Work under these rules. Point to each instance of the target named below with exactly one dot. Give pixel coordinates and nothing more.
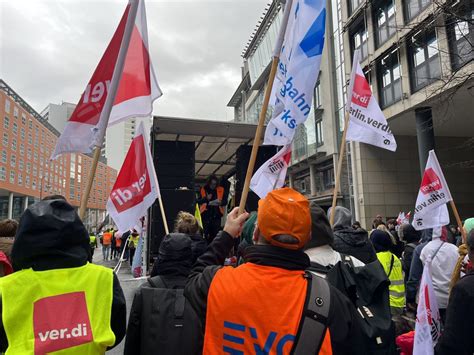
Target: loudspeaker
(174, 162)
(174, 201)
(242, 161)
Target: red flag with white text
(137, 89)
(272, 174)
(136, 187)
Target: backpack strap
(347, 260)
(157, 282)
(391, 266)
(179, 304)
(436, 252)
(314, 322)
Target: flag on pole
(137, 261)
(197, 215)
(367, 123)
(428, 320)
(298, 70)
(271, 175)
(431, 209)
(137, 89)
(136, 187)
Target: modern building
(316, 142)
(26, 172)
(418, 57)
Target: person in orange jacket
(263, 306)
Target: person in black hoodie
(411, 237)
(51, 237)
(349, 241)
(149, 330)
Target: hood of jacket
(353, 237)
(342, 218)
(50, 236)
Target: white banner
(428, 320)
(271, 175)
(298, 70)
(367, 124)
(431, 210)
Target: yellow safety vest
(397, 284)
(92, 239)
(61, 311)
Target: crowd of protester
(298, 285)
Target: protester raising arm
(211, 261)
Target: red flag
(137, 89)
(136, 187)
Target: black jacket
(51, 236)
(344, 334)
(354, 242)
(198, 246)
(457, 337)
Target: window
(21, 164)
(384, 21)
(15, 111)
(7, 105)
(33, 185)
(13, 160)
(41, 161)
(3, 173)
(20, 179)
(389, 79)
(461, 36)
(424, 59)
(27, 181)
(30, 138)
(15, 128)
(353, 5)
(317, 95)
(319, 130)
(35, 170)
(14, 144)
(6, 123)
(30, 124)
(414, 7)
(23, 118)
(359, 40)
(5, 139)
(22, 133)
(35, 155)
(12, 177)
(28, 168)
(4, 156)
(28, 154)
(22, 149)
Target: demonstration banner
(428, 320)
(431, 209)
(271, 175)
(367, 123)
(137, 89)
(136, 187)
(298, 70)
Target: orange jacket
(220, 196)
(107, 238)
(255, 309)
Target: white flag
(136, 91)
(367, 123)
(428, 321)
(431, 209)
(271, 175)
(136, 187)
(298, 70)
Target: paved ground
(128, 285)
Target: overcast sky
(50, 48)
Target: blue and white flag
(298, 70)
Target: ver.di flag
(298, 70)
(367, 123)
(137, 89)
(136, 187)
(428, 320)
(431, 209)
(271, 175)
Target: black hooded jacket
(51, 236)
(350, 241)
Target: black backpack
(367, 288)
(171, 324)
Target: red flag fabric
(136, 187)
(137, 89)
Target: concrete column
(312, 177)
(25, 203)
(10, 205)
(424, 134)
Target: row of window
(459, 28)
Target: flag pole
(263, 112)
(458, 220)
(109, 101)
(163, 215)
(339, 167)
